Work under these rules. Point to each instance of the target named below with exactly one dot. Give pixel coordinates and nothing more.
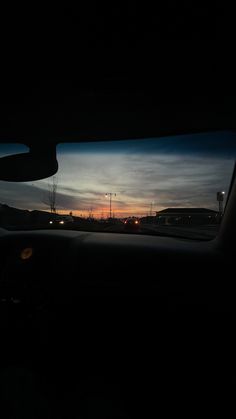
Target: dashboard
(123, 307)
(62, 266)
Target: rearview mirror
(39, 163)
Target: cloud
(213, 144)
(21, 195)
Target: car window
(175, 186)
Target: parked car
(132, 224)
(62, 220)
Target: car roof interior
(106, 324)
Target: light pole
(110, 194)
(220, 199)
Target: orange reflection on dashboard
(26, 253)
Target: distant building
(180, 216)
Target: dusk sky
(183, 171)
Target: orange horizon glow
(105, 213)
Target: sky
(144, 176)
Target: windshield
(174, 186)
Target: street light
(110, 194)
(220, 198)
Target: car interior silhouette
(103, 323)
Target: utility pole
(151, 208)
(110, 194)
(220, 199)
